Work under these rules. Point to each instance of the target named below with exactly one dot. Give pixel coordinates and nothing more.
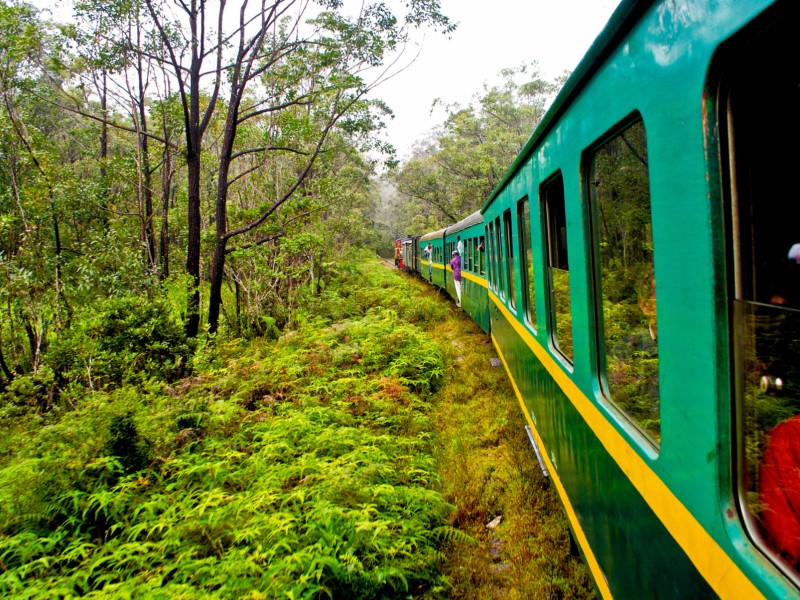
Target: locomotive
(637, 270)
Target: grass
(489, 471)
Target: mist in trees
(450, 174)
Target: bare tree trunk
(147, 191)
(167, 197)
(104, 127)
(192, 325)
(194, 141)
(6, 371)
(221, 215)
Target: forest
(166, 175)
(204, 391)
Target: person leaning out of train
(429, 253)
(460, 247)
(455, 264)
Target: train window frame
(527, 279)
(482, 254)
(640, 343)
(490, 262)
(552, 199)
(498, 255)
(762, 294)
(508, 255)
(471, 250)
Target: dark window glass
(509, 258)
(498, 258)
(552, 194)
(526, 253)
(619, 187)
(472, 262)
(761, 88)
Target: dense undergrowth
(358, 456)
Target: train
(637, 271)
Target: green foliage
(304, 469)
(451, 174)
(125, 339)
(621, 208)
(359, 287)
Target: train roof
(475, 218)
(434, 235)
(624, 18)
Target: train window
(508, 254)
(470, 253)
(492, 269)
(526, 253)
(552, 194)
(619, 188)
(763, 257)
(481, 255)
(498, 259)
(472, 263)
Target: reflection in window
(763, 230)
(526, 252)
(620, 193)
(509, 258)
(552, 194)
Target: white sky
(491, 35)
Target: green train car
(468, 236)
(643, 293)
(431, 253)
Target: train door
(759, 123)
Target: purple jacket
(455, 264)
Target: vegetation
(148, 153)
(207, 387)
(621, 209)
(451, 174)
(353, 457)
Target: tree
(451, 175)
(268, 63)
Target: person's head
(455, 252)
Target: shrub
(123, 340)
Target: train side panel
(652, 503)
(474, 296)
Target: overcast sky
(491, 35)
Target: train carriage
(408, 252)
(643, 286)
(468, 235)
(432, 260)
